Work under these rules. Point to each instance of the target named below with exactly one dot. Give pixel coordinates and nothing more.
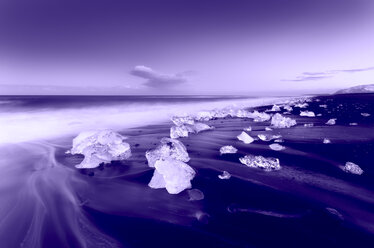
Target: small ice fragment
(302, 105)
(169, 148)
(248, 129)
(365, 114)
(225, 175)
(267, 164)
(227, 149)
(278, 140)
(335, 212)
(195, 194)
(259, 117)
(319, 114)
(100, 147)
(268, 129)
(307, 113)
(275, 108)
(199, 127)
(323, 106)
(308, 125)
(277, 147)
(177, 175)
(181, 120)
(268, 137)
(353, 124)
(279, 121)
(245, 138)
(331, 122)
(326, 141)
(179, 131)
(288, 108)
(352, 168)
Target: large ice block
(267, 164)
(279, 121)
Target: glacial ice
(184, 129)
(308, 125)
(181, 120)
(279, 121)
(195, 195)
(323, 106)
(279, 140)
(245, 138)
(99, 147)
(353, 124)
(268, 129)
(169, 148)
(326, 141)
(307, 113)
(248, 129)
(288, 108)
(224, 175)
(365, 114)
(176, 175)
(352, 168)
(301, 105)
(277, 147)
(331, 122)
(267, 164)
(259, 117)
(268, 137)
(275, 108)
(228, 149)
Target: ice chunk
(302, 105)
(326, 141)
(365, 114)
(279, 121)
(227, 149)
(177, 175)
(307, 113)
(319, 114)
(181, 120)
(268, 129)
(169, 148)
(199, 127)
(308, 125)
(195, 194)
(248, 129)
(278, 140)
(353, 124)
(331, 122)
(205, 116)
(268, 137)
(179, 131)
(267, 164)
(277, 147)
(323, 106)
(245, 138)
(352, 168)
(275, 108)
(100, 147)
(225, 175)
(288, 108)
(259, 117)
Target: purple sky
(185, 46)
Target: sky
(252, 47)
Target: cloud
(155, 79)
(308, 76)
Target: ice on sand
(365, 114)
(184, 129)
(224, 175)
(268, 164)
(98, 147)
(169, 148)
(277, 147)
(195, 195)
(331, 122)
(227, 149)
(172, 174)
(268, 137)
(279, 121)
(326, 141)
(352, 168)
(245, 138)
(307, 113)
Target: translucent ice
(307, 113)
(308, 125)
(279, 121)
(331, 122)
(227, 149)
(326, 141)
(288, 108)
(353, 124)
(181, 120)
(323, 106)
(275, 108)
(169, 148)
(248, 129)
(225, 175)
(302, 105)
(175, 175)
(277, 147)
(352, 168)
(267, 164)
(365, 114)
(259, 116)
(199, 127)
(268, 137)
(184, 130)
(245, 138)
(100, 147)
(268, 129)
